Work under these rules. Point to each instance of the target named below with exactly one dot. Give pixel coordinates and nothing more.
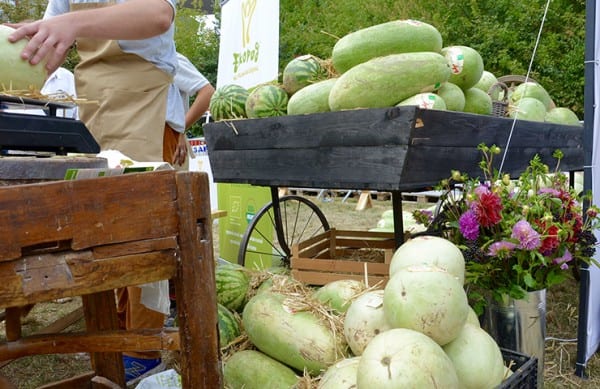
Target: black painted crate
(388, 149)
(525, 371)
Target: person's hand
(49, 41)
(180, 154)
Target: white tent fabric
(594, 287)
(589, 328)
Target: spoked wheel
(512, 80)
(263, 243)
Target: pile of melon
(401, 62)
(417, 331)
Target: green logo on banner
(242, 202)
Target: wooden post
(364, 201)
(200, 359)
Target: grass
(562, 319)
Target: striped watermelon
(302, 71)
(267, 100)
(233, 284)
(229, 326)
(228, 102)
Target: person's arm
(197, 109)
(51, 38)
(199, 106)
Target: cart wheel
(512, 80)
(300, 220)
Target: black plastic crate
(525, 370)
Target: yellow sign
(248, 7)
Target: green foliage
(197, 41)
(503, 31)
(21, 10)
(200, 44)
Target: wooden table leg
(100, 310)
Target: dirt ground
(562, 316)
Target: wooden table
(88, 237)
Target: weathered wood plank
(82, 212)
(100, 312)
(99, 342)
(322, 278)
(80, 381)
(196, 306)
(50, 276)
(340, 266)
(23, 169)
(395, 149)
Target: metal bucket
(519, 325)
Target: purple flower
(551, 191)
(529, 239)
(562, 261)
(481, 189)
(498, 247)
(468, 225)
(427, 214)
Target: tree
(503, 31)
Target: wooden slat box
(387, 149)
(342, 254)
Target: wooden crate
(342, 254)
(388, 149)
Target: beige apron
(131, 96)
(130, 117)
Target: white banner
(248, 56)
(593, 332)
(249, 42)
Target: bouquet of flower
(517, 235)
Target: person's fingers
(22, 30)
(179, 156)
(32, 45)
(44, 49)
(56, 57)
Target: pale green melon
(338, 294)
(252, 369)
(313, 98)
(426, 299)
(16, 73)
(562, 115)
(404, 358)
(340, 375)
(300, 339)
(426, 100)
(429, 250)
(477, 358)
(472, 318)
(453, 96)
(385, 81)
(394, 37)
(486, 81)
(466, 65)
(531, 89)
(528, 108)
(477, 101)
